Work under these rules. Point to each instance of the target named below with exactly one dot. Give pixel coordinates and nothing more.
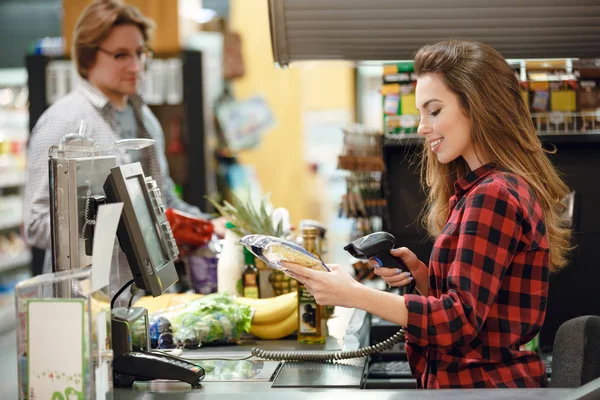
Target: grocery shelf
(13, 77)
(411, 139)
(12, 180)
(21, 259)
(10, 223)
(401, 139)
(553, 127)
(562, 137)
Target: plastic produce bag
(274, 250)
(214, 318)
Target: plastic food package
(273, 250)
(213, 318)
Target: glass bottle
(250, 278)
(311, 316)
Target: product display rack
(15, 256)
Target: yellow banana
(154, 304)
(266, 301)
(271, 310)
(166, 300)
(277, 330)
(184, 298)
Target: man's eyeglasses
(125, 58)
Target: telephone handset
(133, 359)
(376, 246)
(140, 366)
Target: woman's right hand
(397, 278)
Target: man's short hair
(94, 26)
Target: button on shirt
(488, 289)
(87, 103)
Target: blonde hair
(502, 130)
(94, 26)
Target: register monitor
(144, 232)
(146, 238)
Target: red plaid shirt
(488, 289)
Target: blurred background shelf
(21, 259)
(12, 180)
(411, 139)
(10, 223)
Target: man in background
(110, 49)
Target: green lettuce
(215, 318)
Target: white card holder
(63, 346)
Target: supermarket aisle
(8, 365)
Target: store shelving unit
(12, 180)
(9, 262)
(15, 256)
(10, 223)
(567, 129)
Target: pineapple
(282, 283)
(249, 220)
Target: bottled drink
(250, 278)
(311, 316)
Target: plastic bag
(214, 318)
(273, 250)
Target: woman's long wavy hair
(502, 130)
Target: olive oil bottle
(312, 328)
(250, 279)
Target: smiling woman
(484, 108)
(493, 210)
(444, 124)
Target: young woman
(494, 209)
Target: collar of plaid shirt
(420, 355)
(464, 184)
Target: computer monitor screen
(144, 232)
(147, 225)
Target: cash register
(146, 239)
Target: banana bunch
(275, 317)
(165, 301)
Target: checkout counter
(226, 375)
(256, 379)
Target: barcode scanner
(377, 246)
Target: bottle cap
(309, 231)
(248, 257)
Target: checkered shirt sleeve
(490, 229)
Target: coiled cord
(328, 357)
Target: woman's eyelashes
(432, 113)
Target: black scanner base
(142, 366)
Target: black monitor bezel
(130, 234)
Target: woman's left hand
(334, 288)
